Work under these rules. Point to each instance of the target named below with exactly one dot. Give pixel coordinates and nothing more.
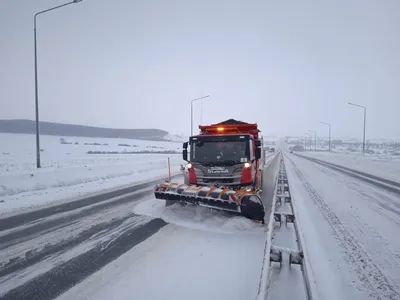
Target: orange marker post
(169, 169)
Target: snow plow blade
(240, 202)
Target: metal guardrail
(276, 254)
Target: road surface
(82, 250)
(350, 226)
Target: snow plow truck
(224, 170)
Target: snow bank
(383, 166)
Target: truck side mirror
(184, 152)
(258, 153)
(258, 149)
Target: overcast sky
(135, 64)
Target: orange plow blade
(239, 202)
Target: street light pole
(329, 134)
(365, 117)
(191, 112)
(38, 164)
(315, 139)
(36, 101)
(310, 136)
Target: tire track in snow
(32, 216)
(384, 210)
(387, 255)
(49, 285)
(31, 232)
(77, 237)
(33, 256)
(368, 272)
(379, 198)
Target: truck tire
(169, 202)
(172, 202)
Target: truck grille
(220, 181)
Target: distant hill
(59, 129)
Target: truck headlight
(247, 165)
(189, 166)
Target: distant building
(298, 148)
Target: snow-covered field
(350, 229)
(386, 166)
(68, 171)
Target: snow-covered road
(126, 244)
(118, 246)
(350, 230)
(183, 263)
(200, 254)
(41, 258)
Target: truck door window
(251, 149)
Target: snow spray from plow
(284, 257)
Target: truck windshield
(220, 152)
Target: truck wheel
(169, 202)
(172, 202)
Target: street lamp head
(356, 105)
(77, 1)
